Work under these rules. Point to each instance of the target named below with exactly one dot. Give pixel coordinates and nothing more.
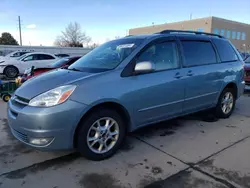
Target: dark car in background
(62, 63)
(247, 73)
(62, 55)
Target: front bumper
(58, 123)
(2, 68)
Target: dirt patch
(206, 163)
(95, 180)
(134, 165)
(53, 163)
(167, 133)
(206, 116)
(183, 179)
(156, 170)
(165, 127)
(231, 126)
(233, 176)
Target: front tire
(226, 103)
(101, 134)
(11, 72)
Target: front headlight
(53, 97)
(1, 61)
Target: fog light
(40, 141)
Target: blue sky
(43, 20)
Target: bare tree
(73, 36)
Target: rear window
(198, 53)
(225, 50)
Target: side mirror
(144, 67)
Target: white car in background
(16, 54)
(11, 68)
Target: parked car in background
(123, 85)
(11, 68)
(62, 55)
(16, 54)
(32, 72)
(247, 73)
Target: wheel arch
(232, 86)
(108, 104)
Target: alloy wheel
(227, 102)
(103, 135)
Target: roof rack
(188, 32)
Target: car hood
(50, 80)
(9, 61)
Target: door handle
(178, 75)
(190, 73)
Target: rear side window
(225, 50)
(198, 53)
(45, 57)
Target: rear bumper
(241, 88)
(56, 123)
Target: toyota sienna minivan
(123, 85)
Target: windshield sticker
(125, 46)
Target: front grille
(20, 100)
(247, 83)
(20, 136)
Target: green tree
(7, 39)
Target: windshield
(107, 56)
(19, 58)
(60, 63)
(247, 60)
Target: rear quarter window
(225, 50)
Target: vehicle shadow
(169, 127)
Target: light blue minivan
(123, 85)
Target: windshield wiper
(74, 69)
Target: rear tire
(11, 72)
(226, 103)
(6, 97)
(96, 130)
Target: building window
(243, 36)
(233, 34)
(228, 34)
(238, 35)
(222, 32)
(200, 29)
(216, 31)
